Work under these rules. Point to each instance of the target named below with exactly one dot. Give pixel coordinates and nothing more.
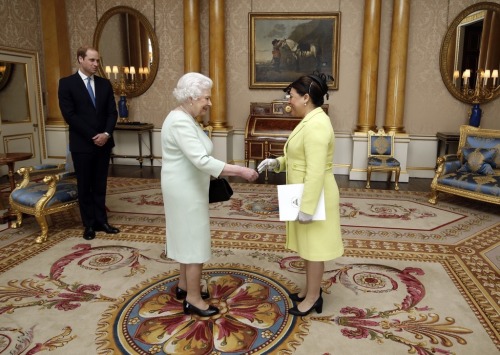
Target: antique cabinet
(267, 129)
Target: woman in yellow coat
(308, 160)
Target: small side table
(10, 159)
(139, 128)
(446, 138)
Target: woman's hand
(249, 174)
(269, 164)
(304, 218)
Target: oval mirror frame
(5, 72)
(101, 24)
(445, 62)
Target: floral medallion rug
(415, 279)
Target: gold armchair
(56, 192)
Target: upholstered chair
(53, 191)
(381, 156)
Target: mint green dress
(185, 178)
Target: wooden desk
(267, 129)
(10, 159)
(139, 129)
(446, 138)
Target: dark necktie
(89, 89)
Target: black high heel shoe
(317, 306)
(295, 296)
(188, 308)
(181, 294)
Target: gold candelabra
(483, 90)
(125, 78)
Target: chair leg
(42, 222)
(368, 177)
(19, 219)
(434, 196)
(396, 178)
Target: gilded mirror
(472, 43)
(5, 73)
(129, 50)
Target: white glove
(304, 217)
(268, 163)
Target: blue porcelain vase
(122, 107)
(475, 116)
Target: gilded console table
(139, 128)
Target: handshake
(269, 164)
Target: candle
(486, 76)
(146, 71)
(115, 70)
(108, 71)
(132, 72)
(126, 71)
(466, 76)
(456, 75)
(141, 71)
(494, 75)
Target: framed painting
(285, 46)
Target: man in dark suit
(88, 106)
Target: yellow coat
(308, 159)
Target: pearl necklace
(186, 112)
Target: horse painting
(294, 53)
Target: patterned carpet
(415, 278)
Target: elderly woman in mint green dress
(187, 165)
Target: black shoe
(190, 309)
(180, 294)
(317, 306)
(89, 233)
(105, 227)
(295, 296)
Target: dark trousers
(91, 171)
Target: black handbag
(219, 190)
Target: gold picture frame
(284, 47)
(280, 107)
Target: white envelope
(289, 197)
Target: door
(21, 121)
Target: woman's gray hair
(192, 85)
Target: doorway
(21, 114)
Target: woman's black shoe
(190, 309)
(295, 296)
(317, 306)
(180, 294)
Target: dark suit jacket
(85, 120)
